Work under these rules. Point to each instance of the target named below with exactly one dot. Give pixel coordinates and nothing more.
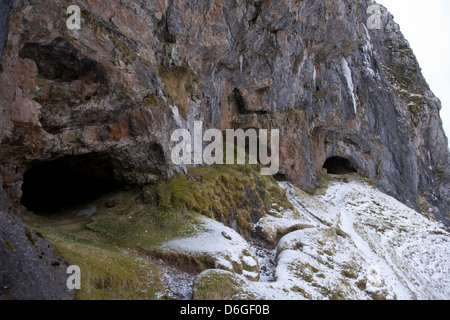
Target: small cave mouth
(59, 60)
(339, 165)
(53, 186)
(280, 177)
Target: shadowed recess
(49, 187)
(338, 165)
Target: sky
(426, 26)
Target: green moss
(325, 179)
(337, 294)
(225, 193)
(30, 236)
(319, 94)
(304, 271)
(414, 111)
(178, 86)
(302, 292)
(128, 55)
(404, 75)
(9, 245)
(134, 224)
(96, 24)
(350, 270)
(215, 285)
(107, 273)
(153, 100)
(441, 173)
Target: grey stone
(29, 269)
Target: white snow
(176, 115)
(314, 75)
(374, 278)
(348, 76)
(178, 284)
(301, 64)
(411, 252)
(250, 261)
(222, 244)
(368, 52)
(266, 260)
(353, 242)
(241, 63)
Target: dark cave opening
(52, 186)
(339, 165)
(59, 60)
(280, 177)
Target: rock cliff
(103, 100)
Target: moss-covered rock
(237, 196)
(217, 285)
(179, 85)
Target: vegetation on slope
(142, 219)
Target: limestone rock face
(137, 70)
(30, 269)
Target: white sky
(426, 25)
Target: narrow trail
(347, 221)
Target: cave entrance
(338, 165)
(52, 186)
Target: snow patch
(353, 242)
(241, 63)
(176, 116)
(226, 247)
(348, 76)
(408, 249)
(368, 52)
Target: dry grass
(216, 286)
(178, 86)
